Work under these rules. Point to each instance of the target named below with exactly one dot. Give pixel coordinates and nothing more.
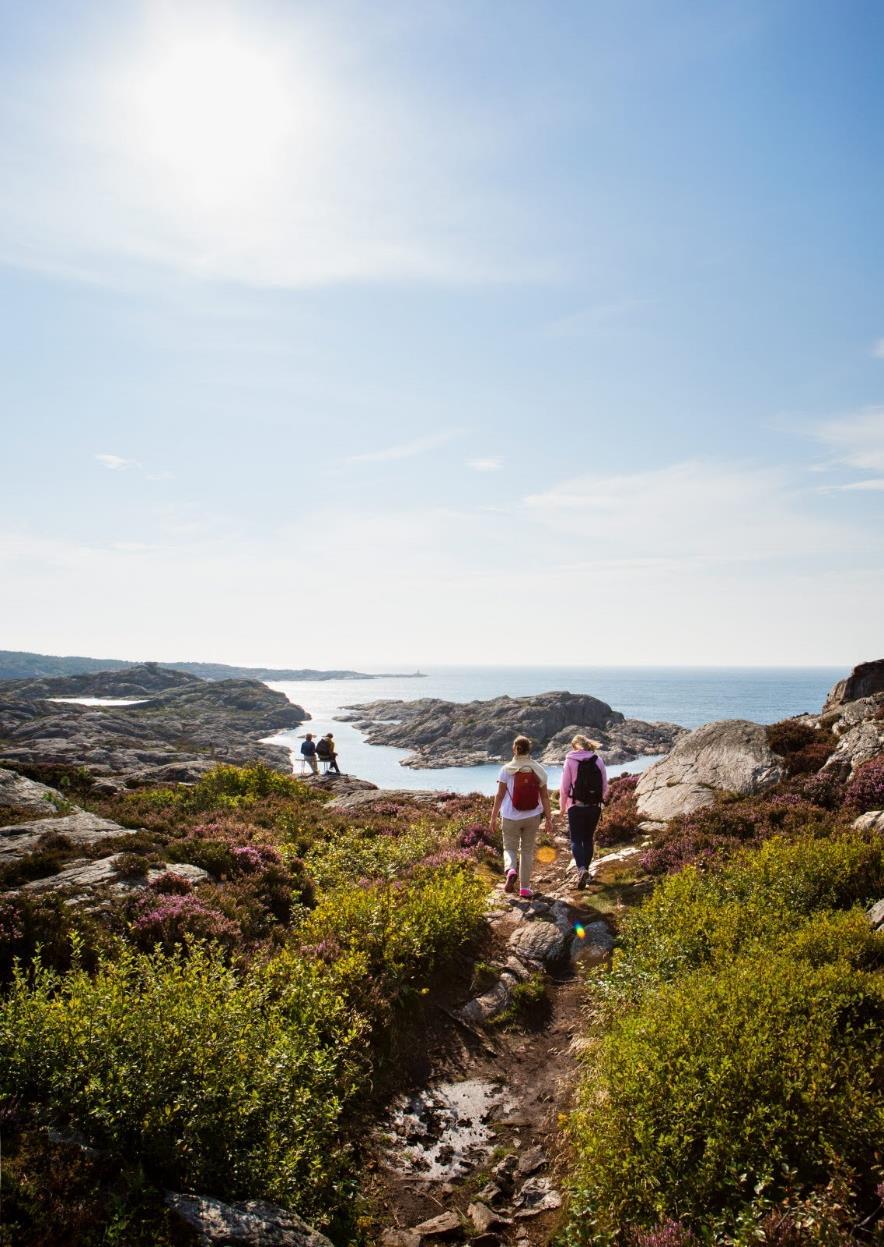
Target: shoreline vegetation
(218, 987)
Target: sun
(212, 115)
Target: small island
(445, 733)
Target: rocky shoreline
(180, 727)
(444, 733)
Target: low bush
(47, 859)
(717, 831)
(620, 817)
(29, 923)
(803, 748)
(403, 929)
(734, 1090)
(722, 1082)
(693, 918)
(866, 789)
(212, 1081)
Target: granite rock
(250, 1224)
(728, 756)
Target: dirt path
(474, 1151)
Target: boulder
(728, 756)
(490, 1004)
(872, 820)
(78, 828)
(876, 915)
(864, 680)
(542, 942)
(250, 1224)
(19, 793)
(860, 735)
(444, 1227)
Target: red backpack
(526, 790)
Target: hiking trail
(473, 1150)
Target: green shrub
(213, 1082)
(722, 1082)
(403, 930)
(695, 917)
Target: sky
(335, 334)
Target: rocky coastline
(444, 733)
(180, 727)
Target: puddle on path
(446, 1130)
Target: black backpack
(587, 787)
(323, 748)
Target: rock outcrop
(729, 756)
(445, 733)
(175, 734)
(143, 680)
(864, 680)
(251, 1224)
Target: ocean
(685, 695)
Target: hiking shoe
(582, 880)
(525, 894)
(510, 885)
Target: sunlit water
(689, 696)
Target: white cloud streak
(855, 440)
(484, 465)
(115, 463)
(404, 450)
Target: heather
(866, 789)
(226, 1035)
(732, 1091)
(716, 832)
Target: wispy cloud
(405, 450)
(855, 440)
(878, 349)
(485, 465)
(695, 512)
(116, 463)
(588, 320)
(874, 485)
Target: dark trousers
(582, 822)
(333, 764)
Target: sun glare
(213, 115)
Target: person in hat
(308, 753)
(582, 793)
(331, 753)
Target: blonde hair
(521, 745)
(584, 742)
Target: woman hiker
(583, 790)
(522, 796)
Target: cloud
(878, 349)
(404, 450)
(589, 320)
(116, 463)
(855, 440)
(696, 513)
(874, 485)
(287, 150)
(485, 465)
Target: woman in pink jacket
(581, 795)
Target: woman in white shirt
(522, 798)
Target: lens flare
(579, 931)
(546, 853)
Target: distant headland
(21, 665)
